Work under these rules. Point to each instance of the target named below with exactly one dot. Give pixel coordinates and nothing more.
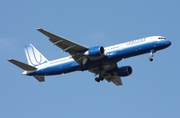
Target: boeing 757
(102, 61)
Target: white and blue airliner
(102, 61)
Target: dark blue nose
(167, 43)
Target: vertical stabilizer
(34, 57)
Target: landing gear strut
(151, 55)
(100, 78)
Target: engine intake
(95, 51)
(124, 71)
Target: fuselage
(113, 54)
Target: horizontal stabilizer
(40, 78)
(22, 65)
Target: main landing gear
(98, 79)
(151, 55)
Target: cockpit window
(161, 38)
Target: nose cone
(167, 43)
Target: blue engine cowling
(95, 51)
(124, 71)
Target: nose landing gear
(151, 55)
(150, 59)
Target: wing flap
(116, 80)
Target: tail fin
(34, 57)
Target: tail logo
(34, 57)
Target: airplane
(102, 61)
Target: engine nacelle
(123, 71)
(95, 51)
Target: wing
(115, 79)
(66, 45)
(107, 74)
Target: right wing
(66, 45)
(106, 73)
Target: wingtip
(10, 59)
(39, 29)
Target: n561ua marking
(102, 61)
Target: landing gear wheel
(97, 79)
(101, 78)
(150, 59)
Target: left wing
(106, 74)
(66, 45)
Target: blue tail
(34, 57)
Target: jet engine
(95, 51)
(123, 71)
